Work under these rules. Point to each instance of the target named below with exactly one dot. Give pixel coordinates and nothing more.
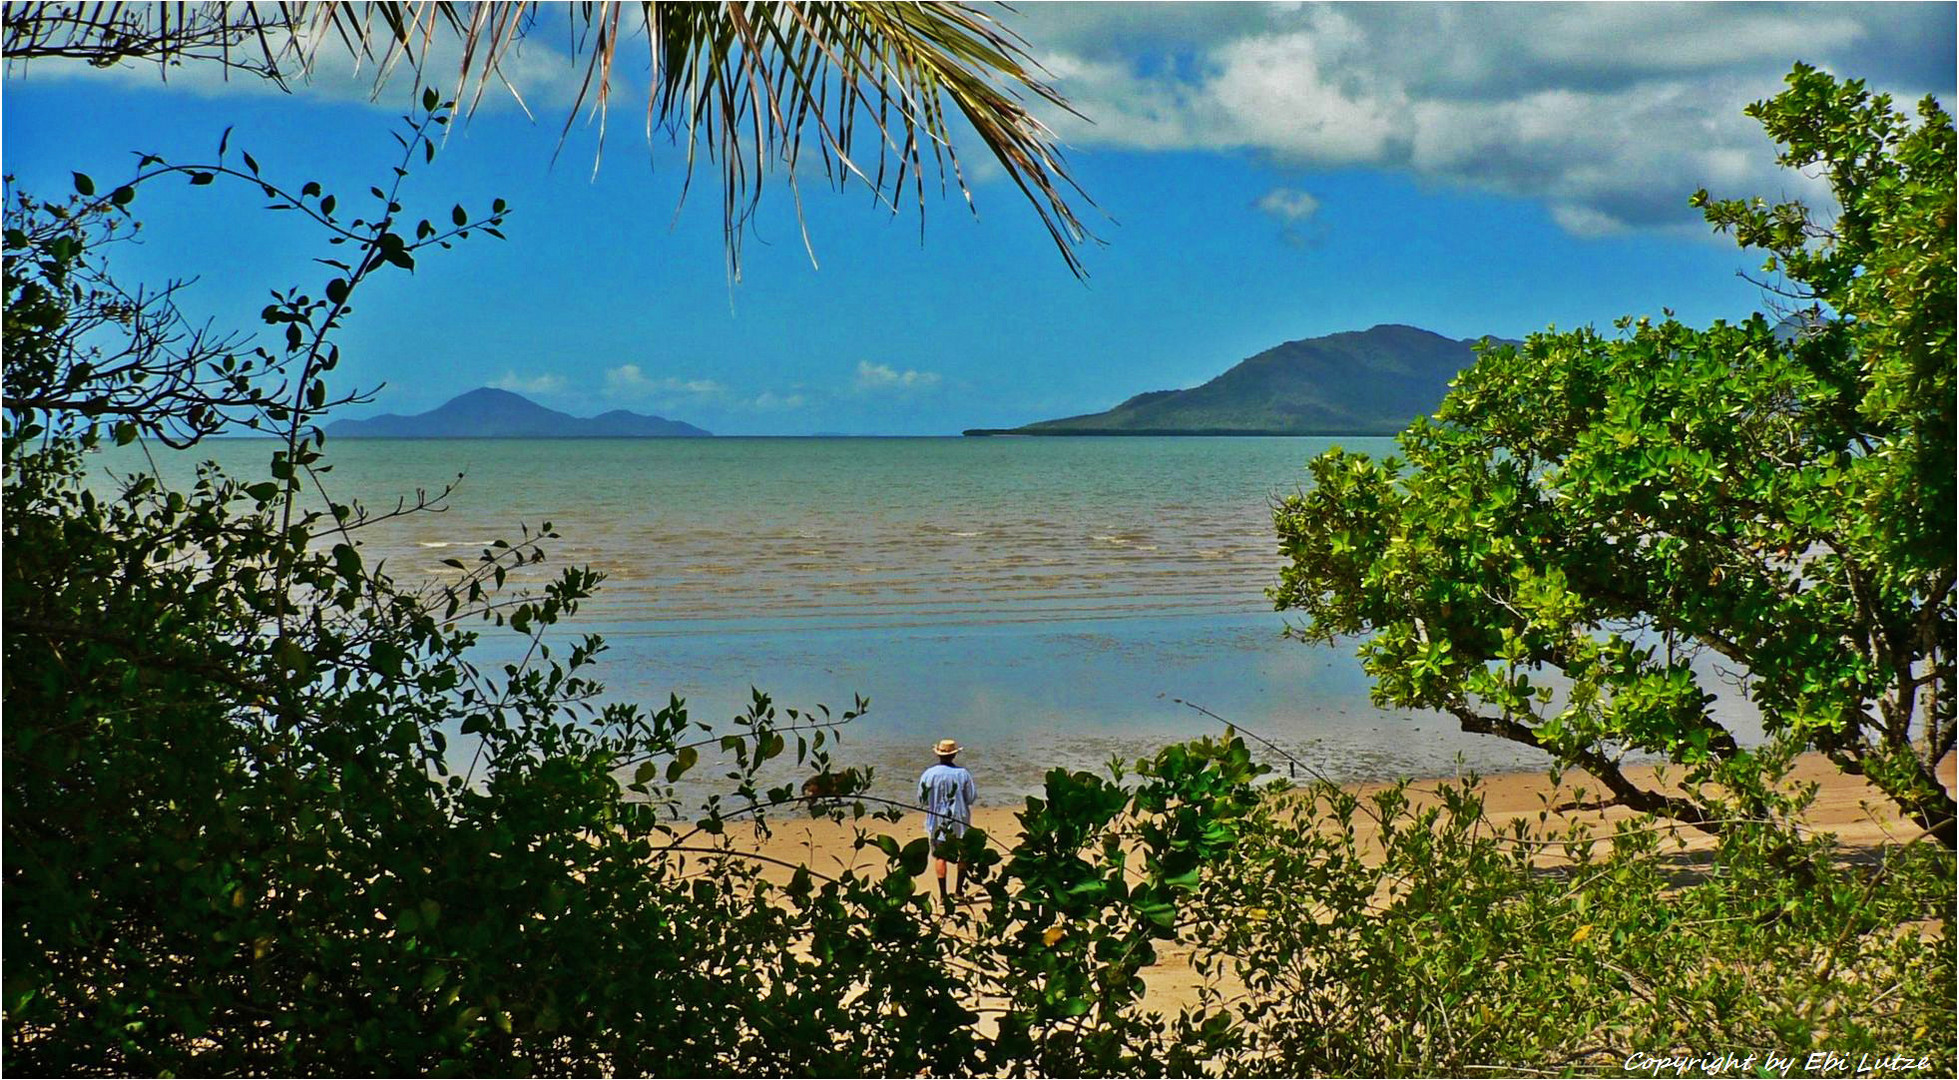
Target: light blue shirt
(947, 794)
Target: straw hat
(946, 747)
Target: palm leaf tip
(744, 83)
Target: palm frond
(877, 87)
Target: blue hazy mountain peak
(489, 413)
(1358, 382)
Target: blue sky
(1261, 173)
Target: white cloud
(1610, 114)
(315, 63)
(883, 377)
(1289, 205)
(629, 381)
(1586, 221)
(770, 401)
(1301, 96)
(1673, 38)
(1616, 110)
(529, 384)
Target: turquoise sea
(1044, 601)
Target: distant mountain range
(1366, 382)
(500, 414)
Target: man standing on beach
(946, 792)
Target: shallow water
(1045, 601)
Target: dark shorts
(945, 845)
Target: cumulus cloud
(315, 63)
(1289, 205)
(1586, 221)
(628, 381)
(529, 384)
(1609, 114)
(770, 401)
(884, 377)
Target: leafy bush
(234, 842)
(1388, 935)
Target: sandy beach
(1846, 806)
(1858, 814)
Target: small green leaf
(347, 562)
(914, 856)
(1185, 880)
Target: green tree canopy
(1592, 529)
(265, 814)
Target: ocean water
(1045, 601)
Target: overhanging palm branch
(876, 86)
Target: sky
(1259, 173)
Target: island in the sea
(499, 414)
(1365, 382)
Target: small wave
(968, 535)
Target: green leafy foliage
(1387, 934)
(264, 814)
(1101, 874)
(1590, 529)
